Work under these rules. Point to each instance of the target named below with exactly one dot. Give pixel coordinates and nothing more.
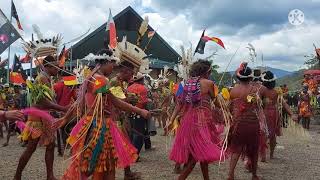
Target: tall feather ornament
(36, 29)
(142, 30)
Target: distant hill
(278, 72)
(293, 80)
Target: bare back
(207, 88)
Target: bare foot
(132, 176)
(51, 178)
(5, 144)
(255, 177)
(177, 170)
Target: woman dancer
(244, 133)
(272, 103)
(196, 138)
(98, 146)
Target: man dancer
(41, 132)
(139, 132)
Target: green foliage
(38, 92)
(293, 81)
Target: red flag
(26, 58)
(16, 78)
(63, 56)
(111, 27)
(217, 40)
(14, 14)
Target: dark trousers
(139, 133)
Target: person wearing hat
(98, 145)
(122, 79)
(139, 98)
(38, 131)
(244, 136)
(271, 106)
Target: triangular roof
(127, 23)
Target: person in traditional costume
(304, 106)
(196, 138)
(38, 128)
(98, 146)
(139, 134)
(245, 128)
(13, 99)
(263, 146)
(273, 103)
(122, 80)
(65, 95)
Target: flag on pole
(14, 14)
(151, 34)
(111, 27)
(26, 58)
(63, 56)
(8, 34)
(201, 44)
(16, 75)
(214, 39)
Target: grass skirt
(197, 137)
(98, 146)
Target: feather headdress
(92, 57)
(184, 65)
(142, 30)
(42, 47)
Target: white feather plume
(144, 26)
(36, 29)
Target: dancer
(305, 111)
(98, 146)
(122, 79)
(13, 104)
(196, 138)
(139, 134)
(38, 131)
(272, 103)
(244, 132)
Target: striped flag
(214, 39)
(14, 14)
(111, 27)
(70, 80)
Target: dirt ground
(295, 159)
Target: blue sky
(261, 23)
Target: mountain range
(278, 72)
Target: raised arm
(128, 107)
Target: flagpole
(9, 50)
